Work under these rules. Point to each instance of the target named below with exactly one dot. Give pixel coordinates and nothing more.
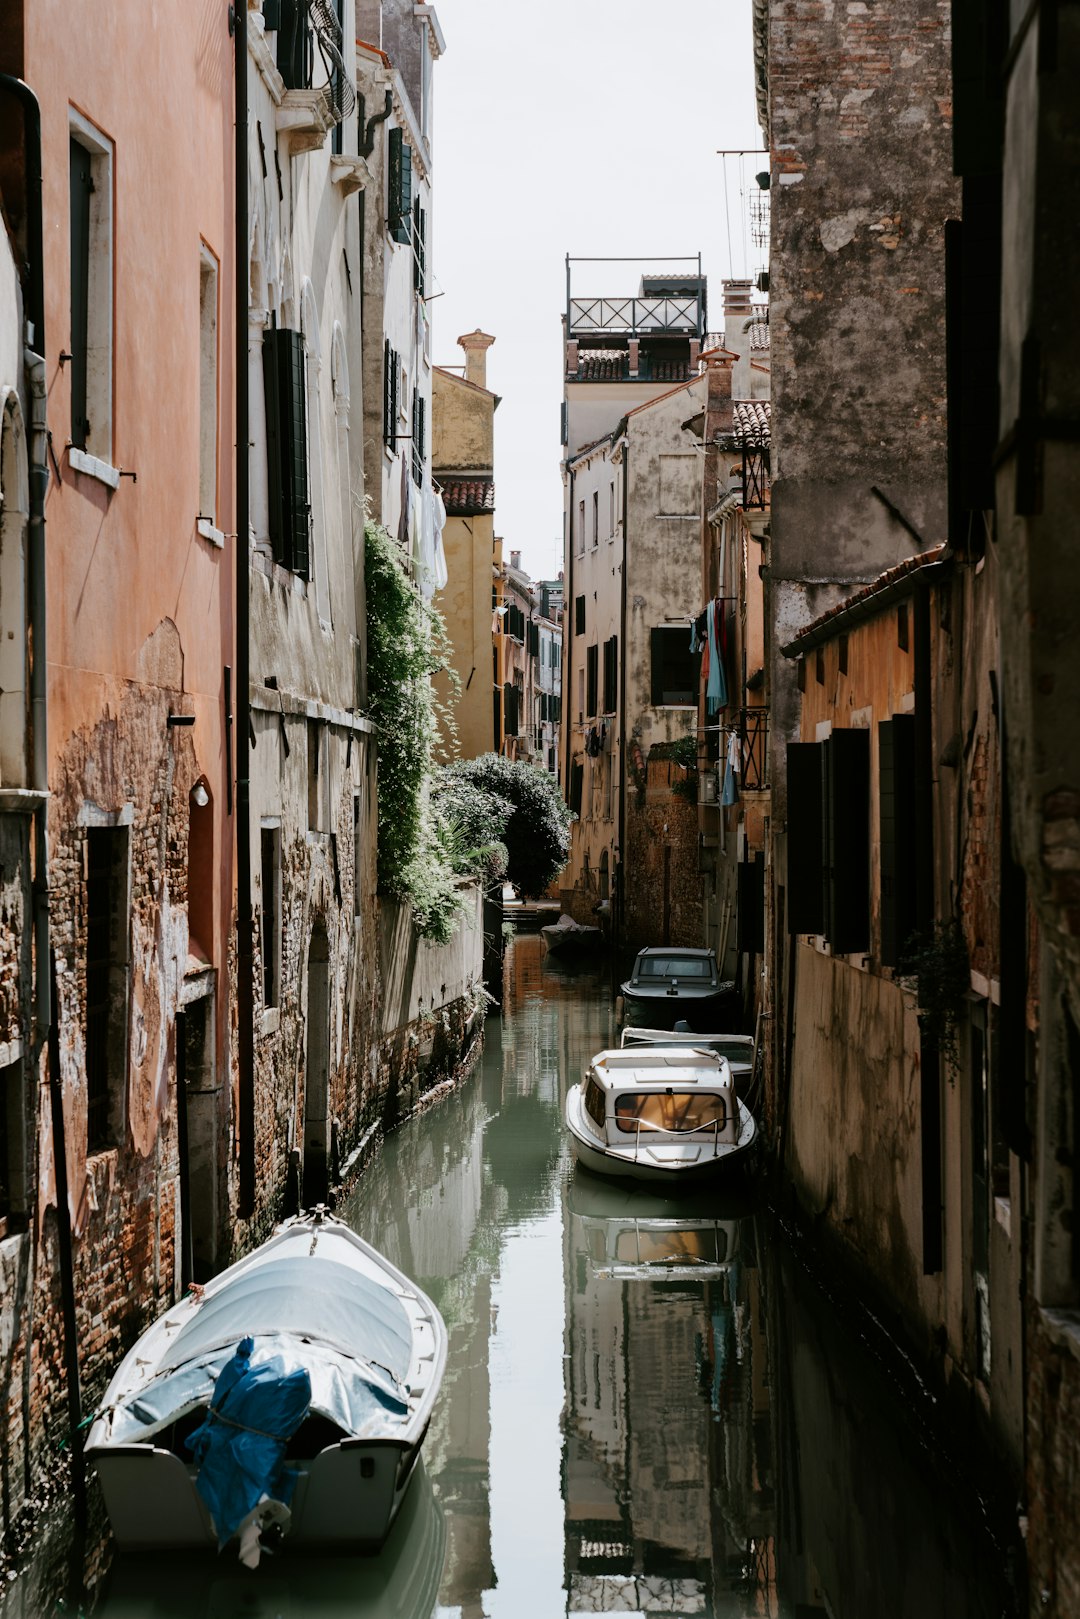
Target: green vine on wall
(938, 961)
(407, 646)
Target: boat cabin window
(594, 1102)
(675, 967)
(671, 1110)
(640, 1245)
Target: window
(318, 774)
(13, 1112)
(581, 529)
(581, 694)
(390, 396)
(107, 953)
(419, 247)
(579, 615)
(270, 848)
(674, 668)
(201, 872)
(208, 384)
(673, 1111)
(511, 709)
(611, 675)
(294, 50)
(611, 510)
(596, 518)
(399, 195)
(896, 781)
(285, 392)
(577, 779)
(829, 839)
(91, 242)
(592, 658)
(594, 1102)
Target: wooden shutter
(81, 189)
(896, 781)
(805, 893)
(972, 304)
(847, 840)
(419, 243)
(510, 710)
(418, 427)
(399, 217)
(592, 658)
(611, 675)
(750, 917)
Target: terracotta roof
(759, 334)
(465, 497)
(862, 602)
(601, 365)
(750, 419)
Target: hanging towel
(730, 794)
(716, 685)
(439, 519)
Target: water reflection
(648, 1407)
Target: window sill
(93, 467)
(214, 536)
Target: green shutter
(399, 212)
(419, 243)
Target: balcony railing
(631, 317)
(754, 736)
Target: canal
(650, 1408)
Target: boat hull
(346, 1498)
(621, 1162)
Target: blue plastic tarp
(240, 1448)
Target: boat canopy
(312, 1298)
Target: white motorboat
(344, 1353)
(667, 1114)
(630, 1233)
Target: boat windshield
(670, 1110)
(674, 967)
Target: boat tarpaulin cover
(240, 1448)
(310, 1297)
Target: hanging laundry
(716, 686)
(438, 511)
(732, 769)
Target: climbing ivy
(938, 961)
(407, 646)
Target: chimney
(719, 364)
(737, 299)
(476, 345)
(515, 556)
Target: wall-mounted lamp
(199, 795)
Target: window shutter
(750, 918)
(896, 780)
(419, 248)
(390, 395)
(805, 892)
(564, 425)
(675, 675)
(579, 615)
(847, 840)
(418, 437)
(399, 220)
(611, 675)
(81, 188)
(294, 44)
(510, 710)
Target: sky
(587, 127)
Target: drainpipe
(619, 918)
(46, 1032)
(245, 995)
(571, 635)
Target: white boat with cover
(737, 1048)
(663, 1114)
(344, 1353)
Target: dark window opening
(896, 782)
(82, 187)
(270, 844)
(579, 615)
(106, 983)
(674, 668)
(285, 391)
(846, 817)
(391, 366)
(805, 887)
(611, 675)
(592, 657)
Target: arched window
(201, 872)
